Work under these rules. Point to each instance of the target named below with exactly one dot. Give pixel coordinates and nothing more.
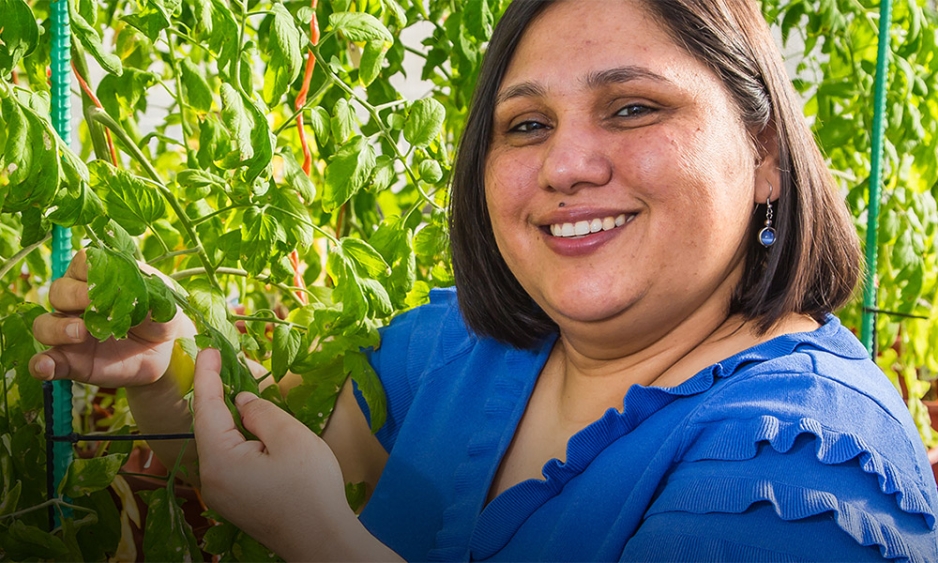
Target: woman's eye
(527, 127)
(634, 110)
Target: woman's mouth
(589, 226)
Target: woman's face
(620, 179)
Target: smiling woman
(625, 370)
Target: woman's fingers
(214, 425)
(276, 429)
(69, 295)
(57, 330)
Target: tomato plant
(262, 155)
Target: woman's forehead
(593, 43)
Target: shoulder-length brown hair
(815, 262)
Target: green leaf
(430, 171)
(19, 34)
(424, 122)
(319, 120)
(31, 154)
(101, 538)
(313, 400)
(260, 235)
(370, 386)
(285, 59)
(478, 19)
(162, 302)
(347, 172)
(167, 536)
(359, 26)
(347, 288)
(367, 260)
(89, 38)
(249, 132)
(342, 121)
(125, 96)
(211, 303)
(113, 235)
(131, 202)
(118, 293)
(35, 226)
(22, 543)
(78, 208)
(85, 476)
(370, 65)
(294, 177)
(198, 92)
(285, 347)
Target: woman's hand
(285, 489)
(139, 359)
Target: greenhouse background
(286, 163)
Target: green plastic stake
(61, 237)
(868, 324)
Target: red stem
(94, 99)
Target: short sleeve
(779, 505)
(410, 344)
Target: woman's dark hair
(815, 263)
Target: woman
(639, 211)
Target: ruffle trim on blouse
(739, 439)
(736, 494)
(500, 517)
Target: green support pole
(61, 237)
(868, 326)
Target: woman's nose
(575, 159)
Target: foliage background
(295, 261)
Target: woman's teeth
(581, 228)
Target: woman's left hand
(285, 490)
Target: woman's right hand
(141, 358)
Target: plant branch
(382, 128)
(106, 120)
(22, 254)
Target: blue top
(798, 449)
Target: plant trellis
(868, 326)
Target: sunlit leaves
(30, 158)
(424, 122)
(285, 58)
(250, 133)
(357, 26)
(131, 202)
(118, 293)
(347, 172)
(19, 33)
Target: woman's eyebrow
(594, 80)
(620, 75)
(522, 90)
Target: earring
(767, 234)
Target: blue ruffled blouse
(798, 449)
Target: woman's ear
(767, 171)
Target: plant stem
(43, 505)
(22, 254)
(134, 151)
(274, 320)
(173, 254)
(380, 124)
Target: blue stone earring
(767, 234)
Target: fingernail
(73, 330)
(244, 398)
(45, 367)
